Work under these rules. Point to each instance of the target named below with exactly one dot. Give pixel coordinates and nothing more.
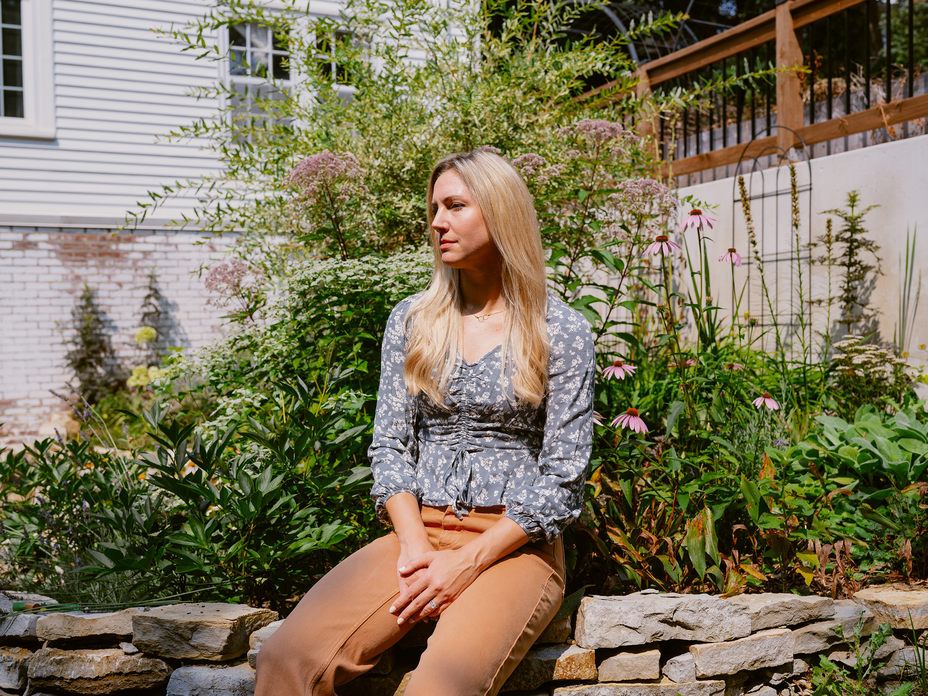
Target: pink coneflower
(619, 369)
(685, 363)
(661, 245)
(631, 420)
(698, 220)
(766, 400)
(597, 418)
(732, 256)
(734, 366)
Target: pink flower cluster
(226, 278)
(339, 175)
(597, 131)
(532, 166)
(639, 197)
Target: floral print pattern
(482, 447)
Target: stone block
(681, 668)
(776, 610)
(765, 649)
(763, 691)
(7, 600)
(552, 663)
(777, 675)
(708, 687)
(259, 637)
(901, 663)
(94, 672)
(821, 637)
(849, 659)
(78, 624)
(558, 631)
(615, 622)
(894, 606)
(633, 665)
(214, 632)
(204, 680)
(18, 629)
(14, 664)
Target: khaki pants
(340, 628)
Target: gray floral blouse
(487, 449)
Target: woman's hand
(408, 552)
(439, 576)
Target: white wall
(893, 176)
(118, 87)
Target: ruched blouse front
(484, 448)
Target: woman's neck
(482, 292)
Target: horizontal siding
(118, 86)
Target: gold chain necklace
(483, 317)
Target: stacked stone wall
(42, 273)
(645, 644)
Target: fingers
(417, 563)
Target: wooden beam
(860, 122)
(878, 117)
(743, 37)
(807, 11)
(719, 158)
(789, 89)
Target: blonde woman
(481, 441)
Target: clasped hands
(431, 580)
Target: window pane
(238, 66)
(237, 35)
(259, 64)
(13, 104)
(10, 12)
(281, 70)
(12, 73)
(259, 36)
(12, 42)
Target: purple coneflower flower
(619, 369)
(597, 418)
(631, 420)
(732, 256)
(661, 245)
(734, 366)
(766, 400)
(685, 363)
(697, 219)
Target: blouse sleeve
(394, 449)
(547, 506)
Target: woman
(481, 441)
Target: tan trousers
(340, 628)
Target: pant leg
(484, 634)
(338, 630)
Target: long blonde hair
(434, 321)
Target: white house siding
(119, 86)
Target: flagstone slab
(634, 665)
(214, 632)
(708, 687)
(79, 624)
(93, 672)
(615, 622)
(769, 648)
(680, 668)
(552, 663)
(14, 664)
(821, 637)
(894, 606)
(206, 680)
(780, 610)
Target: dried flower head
(144, 335)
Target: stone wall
(42, 271)
(644, 644)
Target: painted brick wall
(42, 272)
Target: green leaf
(913, 446)
(571, 602)
(751, 494)
(695, 540)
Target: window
(27, 90)
(258, 69)
(11, 54)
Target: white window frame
(38, 76)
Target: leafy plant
(91, 356)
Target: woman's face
(459, 227)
